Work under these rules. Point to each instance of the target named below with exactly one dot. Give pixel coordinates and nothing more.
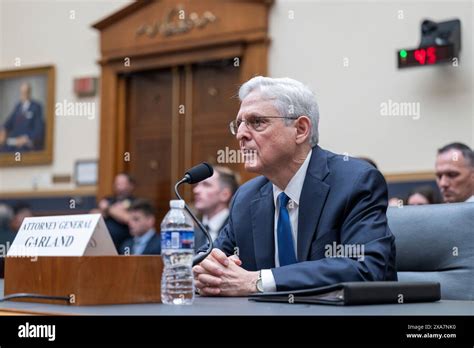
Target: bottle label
(177, 239)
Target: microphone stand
(199, 257)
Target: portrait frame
(86, 172)
(43, 79)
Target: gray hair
(290, 97)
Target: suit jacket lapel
(146, 250)
(150, 246)
(199, 238)
(263, 214)
(312, 200)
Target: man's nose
(443, 181)
(243, 132)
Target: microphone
(198, 173)
(193, 176)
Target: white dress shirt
(25, 105)
(216, 222)
(470, 199)
(293, 191)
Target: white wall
(42, 33)
(312, 47)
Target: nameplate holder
(64, 235)
(73, 257)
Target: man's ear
(303, 129)
(225, 195)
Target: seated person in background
(20, 212)
(144, 240)
(114, 209)
(6, 234)
(283, 225)
(455, 173)
(211, 199)
(24, 128)
(396, 202)
(422, 195)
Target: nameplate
(66, 235)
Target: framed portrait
(85, 172)
(26, 116)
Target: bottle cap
(177, 204)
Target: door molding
(240, 31)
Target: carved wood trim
(249, 44)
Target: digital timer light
(430, 55)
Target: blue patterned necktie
(286, 250)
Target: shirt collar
(470, 199)
(143, 239)
(295, 185)
(217, 220)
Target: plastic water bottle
(177, 251)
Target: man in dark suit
(314, 218)
(144, 240)
(211, 199)
(114, 208)
(24, 128)
(6, 234)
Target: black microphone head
(199, 173)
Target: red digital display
(425, 56)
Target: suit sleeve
(365, 225)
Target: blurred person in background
(396, 202)
(6, 234)
(211, 199)
(144, 240)
(114, 208)
(20, 212)
(422, 195)
(455, 173)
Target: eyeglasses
(257, 123)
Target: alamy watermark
(76, 109)
(227, 155)
(19, 251)
(353, 251)
(402, 109)
(28, 330)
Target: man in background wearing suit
(211, 199)
(24, 128)
(114, 208)
(144, 240)
(287, 227)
